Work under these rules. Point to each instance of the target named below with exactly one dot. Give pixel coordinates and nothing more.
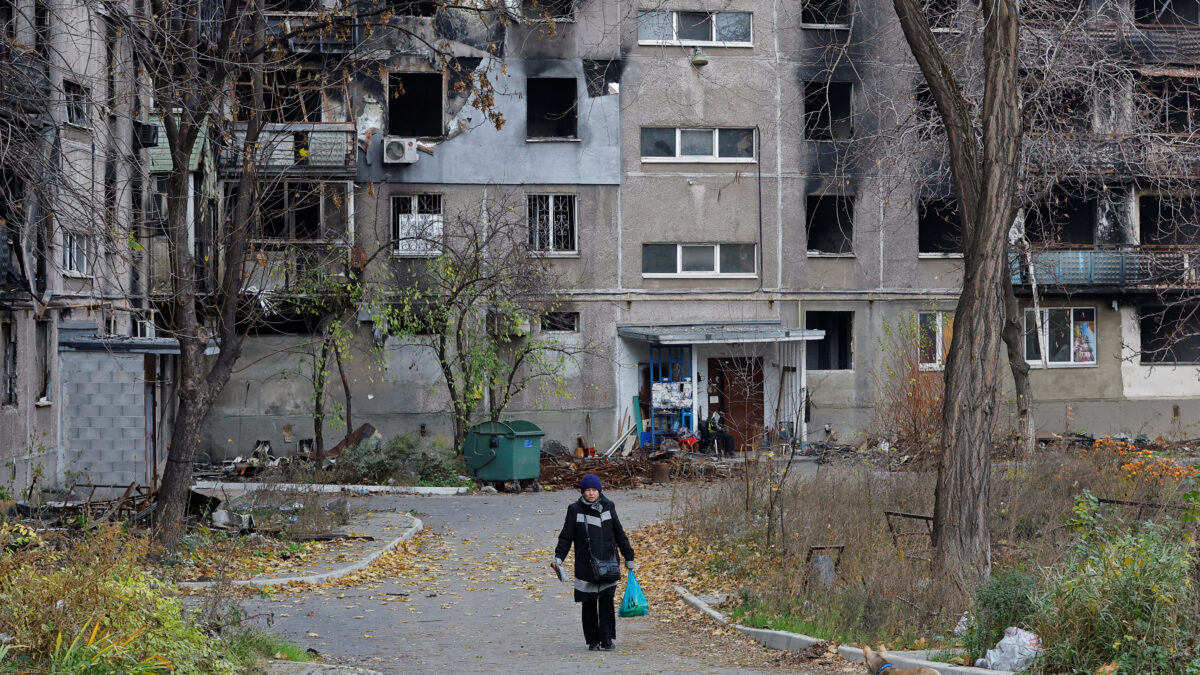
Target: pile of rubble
(566, 472)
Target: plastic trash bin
(504, 451)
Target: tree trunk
(319, 378)
(337, 354)
(1014, 336)
(194, 403)
(983, 160)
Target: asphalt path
(483, 599)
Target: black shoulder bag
(605, 570)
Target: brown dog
(878, 663)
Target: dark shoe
(607, 646)
(594, 647)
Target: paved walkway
(481, 598)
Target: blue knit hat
(589, 481)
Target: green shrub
(1005, 600)
(1124, 595)
(372, 462)
(63, 603)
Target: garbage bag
(634, 603)
(1015, 651)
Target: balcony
(1143, 268)
(275, 267)
(302, 147)
(24, 80)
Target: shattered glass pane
(654, 26)
(733, 27)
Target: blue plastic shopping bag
(634, 603)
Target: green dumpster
(504, 451)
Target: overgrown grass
(1045, 559)
(249, 649)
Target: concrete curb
(794, 642)
(335, 573)
(356, 489)
(310, 668)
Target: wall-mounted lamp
(698, 57)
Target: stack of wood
(566, 472)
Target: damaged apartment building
(85, 386)
(738, 199)
(729, 194)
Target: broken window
(695, 28)
(294, 95)
(8, 23)
(697, 145)
(417, 224)
(1165, 12)
(1170, 104)
(827, 110)
(44, 350)
(1069, 334)
(76, 98)
(41, 28)
(1062, 219)
(1169, 220)
(552, 222)
(829, 221)
(8, 360)
(1170, 334)
(824, 12)
(699, 259)
(939, 229)
(75, 250)
(834, 351)
(415, 104)
(550, 107)
(548, 10)
(302, 211)
(561, 321)
(935, 330)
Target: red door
(738, 385)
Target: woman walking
(593, 527)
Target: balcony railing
(297, 145)
(1144, 267)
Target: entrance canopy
(733, 332)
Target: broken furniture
(919, 526)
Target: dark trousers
(724, 443)
(599, 615)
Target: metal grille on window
(418, 228)
(552, 222)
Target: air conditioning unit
(399, 150)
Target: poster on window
(671, 394)
(1084, 329)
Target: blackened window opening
(1170, 334)
(939, 228)
(8, 23)
(1170, 104)
(561, 321)
(830, 223)
(415, 104)
(831, 12)
(555, 10)
(550, 109)
(827, 110)
(1166, 12)
(1166, 220)
(834, 351)
(1062, 220)
(41, 28)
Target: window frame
(572, 316)
(716, 272)
(76, 110)
(714, 158)
(323, 191)
(422, 248)
(76, 251)
(844, 25)
(941, 348)
(1027, 328)
(923, 203)
(553, 198)
(676, 41)
(852, 201)
(10, 384)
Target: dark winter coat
(605, 531)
